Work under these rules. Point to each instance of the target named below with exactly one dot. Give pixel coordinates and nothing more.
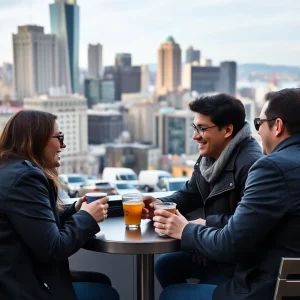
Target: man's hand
(199, 221)
(169, 224)
(148, 209)
(79, 203)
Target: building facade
(123, 60)
(201, 79)
(99, 91)
(228, 77)
(192, 55)
(71, 112)
(135, 156)
(95, 61)
(64, 16)
(168, 67)
(173, 132)
(35, 61)
(104, 126)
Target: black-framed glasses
(201, 129)
(60, 138)
(259, 121)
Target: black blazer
(35, 240)
(264, 228)
(219, 200)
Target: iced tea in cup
(168, 206)
(132, 206)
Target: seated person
(265, 225)
(37, 232)
(227, 152)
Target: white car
(172, 184)
(124, 187)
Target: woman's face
(53, 148)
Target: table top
(114, 237)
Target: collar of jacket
(290, 141)
(231, 161)
(225, 182)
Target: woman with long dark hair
(37, 232)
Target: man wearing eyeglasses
(265, 226)
(227, 151)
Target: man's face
(212, 141)
(266, 133)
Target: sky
(247, 31)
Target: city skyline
(241, 30)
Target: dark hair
(223, 110)
(25, 136)
(285, 104)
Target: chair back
(288, 281)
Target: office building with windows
(64, 16)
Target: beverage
(132, 206)
(168, 206)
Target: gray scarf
(211, 168)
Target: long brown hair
(25, 136)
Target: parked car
(148, 179)
(172, 183)
(96, 186)
(114, 174)
(124, 187)
(71, 183)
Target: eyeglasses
(60, 138)
(259, 121)
(201, 129)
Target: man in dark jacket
(227, 151)
(265, 226)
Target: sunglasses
(60, 138)
(259, 121)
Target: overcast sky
(262, 31)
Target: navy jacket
(35, 240)
(264, 228)
(218, 201)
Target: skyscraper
(35, 61)
(64, 15)
(95, 60)
(168, 67)
(192, 55)
(228, 77)
(123, 60)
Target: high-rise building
(99, 91)
(127, 79)
(144, 78)
(64, 16)
(95, 60)
(173, 132)
(192, 55)
(123, 60)
(228, 77)
(71, 112)
(201, 79)
(35, 61)
(168, 67)
(104, 126)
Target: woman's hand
(79, 203)
(97, 209)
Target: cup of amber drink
(132, 206)
(168, 206)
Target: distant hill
(264, 68)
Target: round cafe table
(114, 237)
